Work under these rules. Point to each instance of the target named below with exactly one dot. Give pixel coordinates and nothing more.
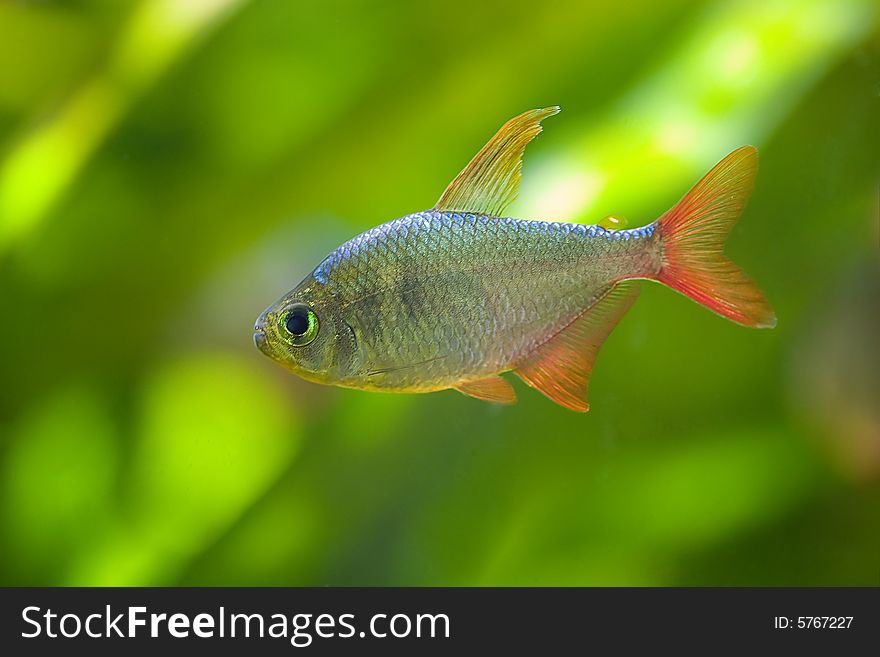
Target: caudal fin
(692, 237)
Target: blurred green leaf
(58, 483)
(214, 437)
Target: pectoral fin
(488, 184)
(494, 389)
(560, 368)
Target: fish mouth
(261, 341)
(262, 320)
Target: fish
(455, 296)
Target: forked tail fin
(692, 236)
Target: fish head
(306, 332)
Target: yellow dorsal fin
(488, 184)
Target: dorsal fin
(488, 184)
(493, 389)
(560, 368)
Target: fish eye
(299, 324)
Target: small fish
(456, 295)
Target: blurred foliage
(169, 167)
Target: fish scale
(493, 288)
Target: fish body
(454, 296)
(440, 298)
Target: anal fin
(560, 368)
(493, 389)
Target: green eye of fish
(299, 324)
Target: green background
(169, 168)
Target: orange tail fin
(692, 237)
